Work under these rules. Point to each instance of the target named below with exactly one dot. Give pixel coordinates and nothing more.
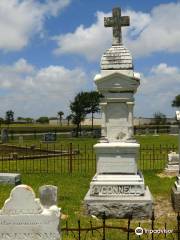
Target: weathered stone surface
(24, 218)
(116, 22)
(116, 185)
(117, 57)
(120, 207)
(48, 195)
(175, 198)
(173, 162)
(10, 178)
(117, 157)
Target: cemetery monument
(118, 189)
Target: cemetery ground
(73, 187)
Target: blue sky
(50, 50)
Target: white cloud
(157, 90)
(20, 20)
(89, 42)
(162, 33)
(149, 32)
(34, 92)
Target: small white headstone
(23, 217)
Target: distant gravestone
(49, 137)
(10, 178)
(4, 135)
(173, 162)
(24, 217)
(21, 140)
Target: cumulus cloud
(149, 32)
(90, 42)
(33, 92)
(20, 20)
(157, 90)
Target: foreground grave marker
(24, 217)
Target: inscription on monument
(116, 190)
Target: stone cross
(116, 22)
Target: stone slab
(24, 218)
(10, 178)
(139, 207)
(117, 185)
(117, 157)
(172, 168)
(48, 195)
(175, 198)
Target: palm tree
(60, 116)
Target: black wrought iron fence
(123, 230)
(71, 158)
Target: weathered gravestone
(49, 137)
(23, 217)
(173, 162)
(4, 135)
(48, 195)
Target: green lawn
(72, 188)
(71, 192)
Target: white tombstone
(23, 217)
(173, 162)
(118, 189)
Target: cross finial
(116, 22)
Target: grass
(72, 188)
(71, 192)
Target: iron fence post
(178, 226)
(152, 224)
(104, 225)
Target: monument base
(120, 206)
(172, 168)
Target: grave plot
(11, 152)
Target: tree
(69, 118)
(78, 110)
(159, 118)
(60, 116)
(176, 101)
(43, 120)
(9, 118)
(92, 104)
(84, 103)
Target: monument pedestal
(120, 206)
(118, 189)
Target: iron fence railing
(71, 158)
(125, 230)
